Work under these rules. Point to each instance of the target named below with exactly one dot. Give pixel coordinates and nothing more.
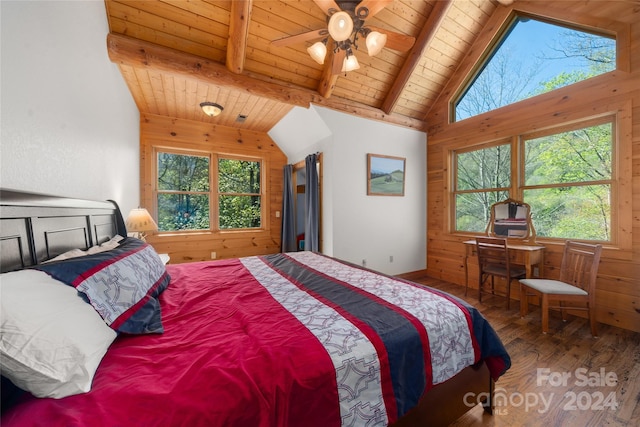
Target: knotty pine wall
(618, 283)
(197, 246)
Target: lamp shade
(318, 51)
(375, 42)
(140, 221)
(340, 26)
(211, 109)
(350, 63)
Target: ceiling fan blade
(374, 6)
(326, 5)
(337, 59)
(299, 38)
(396, 41)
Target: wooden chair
(493, 260)
(577, 283)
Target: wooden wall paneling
(618, 285)
(198, 246)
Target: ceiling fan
(346, 26)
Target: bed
(294, 339)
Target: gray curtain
(311, 204)
(288, 235)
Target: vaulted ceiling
(175, 54)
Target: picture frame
(385, 175)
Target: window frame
(617, 32)
(517, 187)
(214, 219)
(219, 194)
(454, 185)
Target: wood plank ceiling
(174, 55)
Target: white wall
(69, 124)
(356, 226)
(71, 128)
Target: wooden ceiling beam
(423, 40)
(124, 50)
(239, 20)
(329, 76)
(327, 82)
(368, 112)
(352, 107)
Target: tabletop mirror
(511, 219)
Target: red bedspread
(231, 354)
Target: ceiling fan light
(318, 51)
(211, 109)
(350, 63)
(375, 42)
(340, 26)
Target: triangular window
(531, 58)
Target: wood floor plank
(534, 393)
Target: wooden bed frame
(36, 227)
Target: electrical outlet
(390, 258)
(214, 255)
(364, 262)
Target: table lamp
(139, 221)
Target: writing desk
(520, 254)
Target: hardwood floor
(563, 378)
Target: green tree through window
(483, 177)
(239, 193)
(183, 192)
(186, 190)
(567, 182)
(566, 175)
(534, 57)
(566, 178)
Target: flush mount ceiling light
(211, 109)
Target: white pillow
(74, 253)
(51, 340)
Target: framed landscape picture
(385, 175)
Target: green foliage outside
(567, 176)
(507, 77)
(566, 182)
(489, 168)
(184, 193)
(574, 210)
(239, 188)
(180, 178)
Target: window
(190, 184)
(567, 182)
(239, 193)
(566, 175)
(183, 192)
(531, 58)
(483, 177)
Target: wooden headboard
(37, 227)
